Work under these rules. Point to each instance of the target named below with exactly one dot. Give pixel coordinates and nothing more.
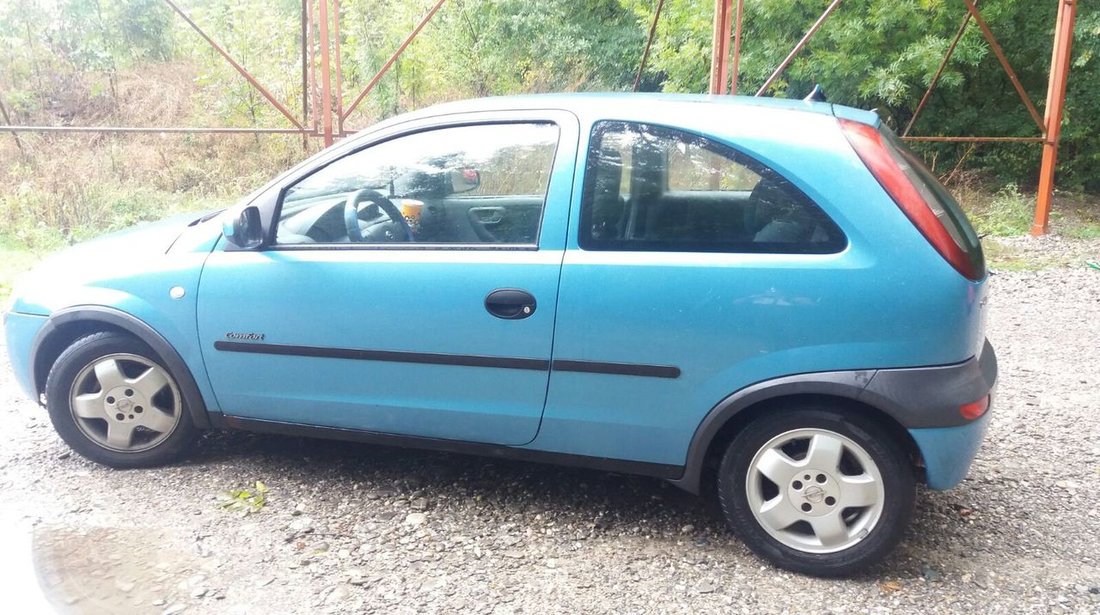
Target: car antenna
(816, 95)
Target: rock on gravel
(407, 532)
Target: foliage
(488, 47)
(884, 53)
(244, 501)
(134, 62)
(1006, 213)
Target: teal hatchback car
(770, 300)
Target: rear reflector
(873, 151)
(974, 409)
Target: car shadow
(603, 503)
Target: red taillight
(869, 145)
(974, 409)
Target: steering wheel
(351, 214)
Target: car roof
(597, 103)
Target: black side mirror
(246, 230)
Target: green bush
(1007, 212)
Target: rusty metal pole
(648, 44)
(7, 120)
(802, 43)
(1056, 98)
(326, 78)
(393, 58)
(939, 73)
(737, 46)
(997, 51)
(305, 71)
(720, 46)
(314, 94)
(338, 73)
(240, 69)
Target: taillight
(872, 150)
(974, 409)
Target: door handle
(510, 303)
(487, 215)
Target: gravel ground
(352, 528)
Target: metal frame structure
(324, 114)
(1049, 124)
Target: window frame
(584, 231)
(280, 194)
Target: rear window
(946, 208)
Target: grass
(1004, 213)
(29, 229)
(15, 259)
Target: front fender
(60, 324)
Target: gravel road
(352, 528)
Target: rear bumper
(928, 397)
(949, 451)
(926, 401)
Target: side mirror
(464, 180)
(246, 230)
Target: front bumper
(20, 331)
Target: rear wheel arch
(67, 326)
(838, 390)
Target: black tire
(868, 533)
(90, 436)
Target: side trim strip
(588, 367)
(384, 355)
(619, 369)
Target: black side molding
(642, 468)
(589, 367)
(384, 355)
(619, 369)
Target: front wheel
(816, 490)
(111, 400)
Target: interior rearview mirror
(245, 231)
(464, 180)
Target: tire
(112, 401)
(817, 490)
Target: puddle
(93, 571)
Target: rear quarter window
(653, 188)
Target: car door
(695, 270)
(438, 324)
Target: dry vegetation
(63, 187)
(56, 189)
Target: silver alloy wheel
(125, 402)
(815, 490)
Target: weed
(1006, 213)
(15, 259)
(244, 501)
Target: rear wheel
(817, 490)
(112, 401)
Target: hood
(112, 263)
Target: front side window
(478, 184)
(654, 188)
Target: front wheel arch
(65, 327)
